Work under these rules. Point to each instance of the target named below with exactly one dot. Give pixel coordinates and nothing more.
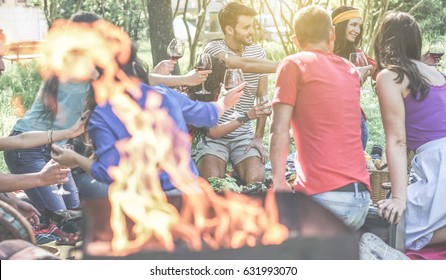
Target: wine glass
(359, 59)
(203, 62)
(60, 189)
(233, 78)
(436, 50)
(175, 49)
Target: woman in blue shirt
(106, 129)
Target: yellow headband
(346, 16)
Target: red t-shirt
(324, 90)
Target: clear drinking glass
(60, 189)
(233, 78)
(203, 62)
(175, 49)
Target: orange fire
(72, 51)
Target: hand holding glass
(175, 49)
(359, 60)
(233, 78)
(436, 50)
(60, 189)
(203, 62)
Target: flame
(17, 105)
(72, 51)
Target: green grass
(370, 105)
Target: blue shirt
(105, 128)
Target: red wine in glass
(436, 56)
(203, 62)
(176, 56)
(200, 68)
(436, 50)
(175, 49)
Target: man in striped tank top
(234, 139)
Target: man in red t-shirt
(317, 92)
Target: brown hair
(312, 25)
(398, 41)
(342, 47)
(230, 13)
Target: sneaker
(371, 247)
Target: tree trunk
(161, 28)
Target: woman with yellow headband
(348, 30)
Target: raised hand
(194, 78)
(79, 127)
(232, 96)
(260, 110)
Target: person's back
(426, 119)
(325, 120)
(317, 92)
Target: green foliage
(430, 14)
(22, 80)
(128, 14)
(370, 105)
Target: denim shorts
(350, 207)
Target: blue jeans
(350, 207)
(42, 197)
(88, 187)
(364, 132)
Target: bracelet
(49, 136)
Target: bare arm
(391, 103)
(279, 143)
(37, 138)
(257, 142)
(52, 173)
(192, 78)
(221, 130)
(262, 90)
(249, 64)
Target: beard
(245, 40)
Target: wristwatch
(243, 118)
